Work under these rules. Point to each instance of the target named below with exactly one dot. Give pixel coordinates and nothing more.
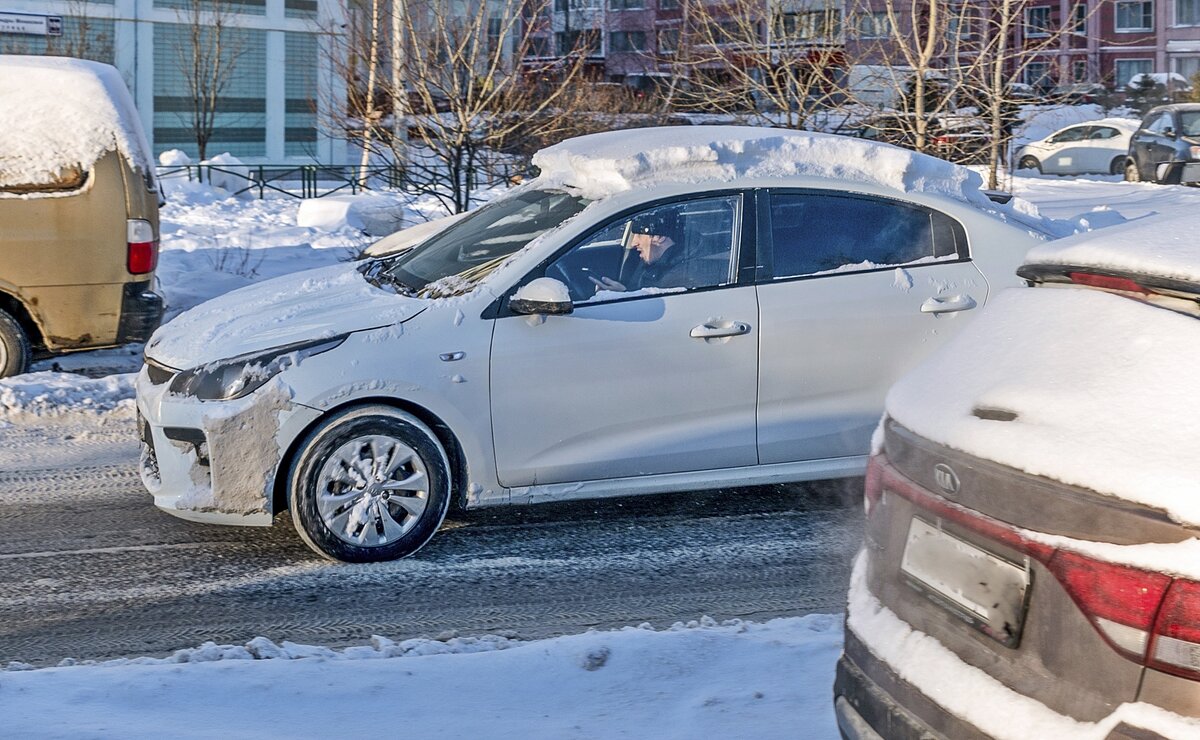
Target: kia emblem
(946, 478)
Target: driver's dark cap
(659, 223)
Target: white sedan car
(1093, 148)
(660, 310)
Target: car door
(1148, 144)
(857, 289)
(657, 379)
(1068, 145)
(1104, 144)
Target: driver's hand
(607, 283)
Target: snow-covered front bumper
(214, 461)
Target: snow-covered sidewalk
(701, 680)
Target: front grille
(158, 374)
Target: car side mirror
(543, 296)
(1169, 132)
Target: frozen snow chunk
(544, 290)
(264, 649)
(174, 158)
(370, 213)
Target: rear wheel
(14, 347)
(1132, 174)
(1029, 163)
(368, 485)
(1118, 166)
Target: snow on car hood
(294, 308)
(1154, 245)
(1102, 389)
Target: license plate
(986, 591)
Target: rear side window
(1072, 134)
(815, 233)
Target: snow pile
(1101, 387)
(174, 158)
(615, 161)
(1164, 247)
(543, 290)
(228, 173)
(1175, 79)
(49, 393)
(57, 113)
(736, 679)
(376, 214)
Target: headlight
(1195, 150)
(225, 380)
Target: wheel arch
(446, 436)
(16, 308)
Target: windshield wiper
(377, 273)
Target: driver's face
(649, 246)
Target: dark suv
(1031, 564)
(1166, 149)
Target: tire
(1029, 163)
(14, 347)
(340, 499)
(1132, 174)
(1118, 166)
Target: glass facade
(88, 38)
(240, 121)
(300, 85)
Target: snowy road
(89, 569)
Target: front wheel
(1132, 174)
(14, 346)
(1029, 163)
(1118, 166)
(368, 485)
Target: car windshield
(1190, 123)
(456, 259)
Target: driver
(660, 263)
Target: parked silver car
(661, 310)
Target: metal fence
(293, 181)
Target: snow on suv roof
(1157, 246)
(602, 164)
(57, 113)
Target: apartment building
(281, 86)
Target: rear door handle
(720, 329)
(949, 304)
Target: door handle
(949, 304)
(723, 329)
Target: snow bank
(1161, 246)
(57, 113)
(48, 393)
(376, 214)
(1102, 387)
(737, 679)
(228, 173)
(614, 161)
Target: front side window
(669, 248)
(1160, 124)
(474, 246)
(1135, 15)
(1189, 123)
(816, 234)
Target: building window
(495, 33)
(1037, 21)
(1187, 12)
(1189, 67)
(668, 4)
(813, 24)
(1079, 19)
(668, 40)
(1079, 72)
(626, 4)
(539, 46)
(1125, 70)
(1135, 15)
(1037, 74)
(627, 41)
(873, 26)
(577, 42)
(300, 85)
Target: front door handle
(949, 304)
(715, 329)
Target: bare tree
(774, 61)
(207, 59)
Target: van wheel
(1131, 171)
(368, 485)
(1029, 163)
(14, 347)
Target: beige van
(78, 212)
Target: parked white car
(660, 310)
(1096, 147)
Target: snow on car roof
(57, 113)
(602, 164)
(1154, 245)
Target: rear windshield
(484, 238)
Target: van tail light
(142, 256)
(873, 491)
(1148, 617)
(1176, 647)
(1107, 282)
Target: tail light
(1148, 617)
(873, 491)
(941, 140)
(1107, 282)
(143, 247)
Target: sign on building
(28, 24)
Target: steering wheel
(577, 284)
